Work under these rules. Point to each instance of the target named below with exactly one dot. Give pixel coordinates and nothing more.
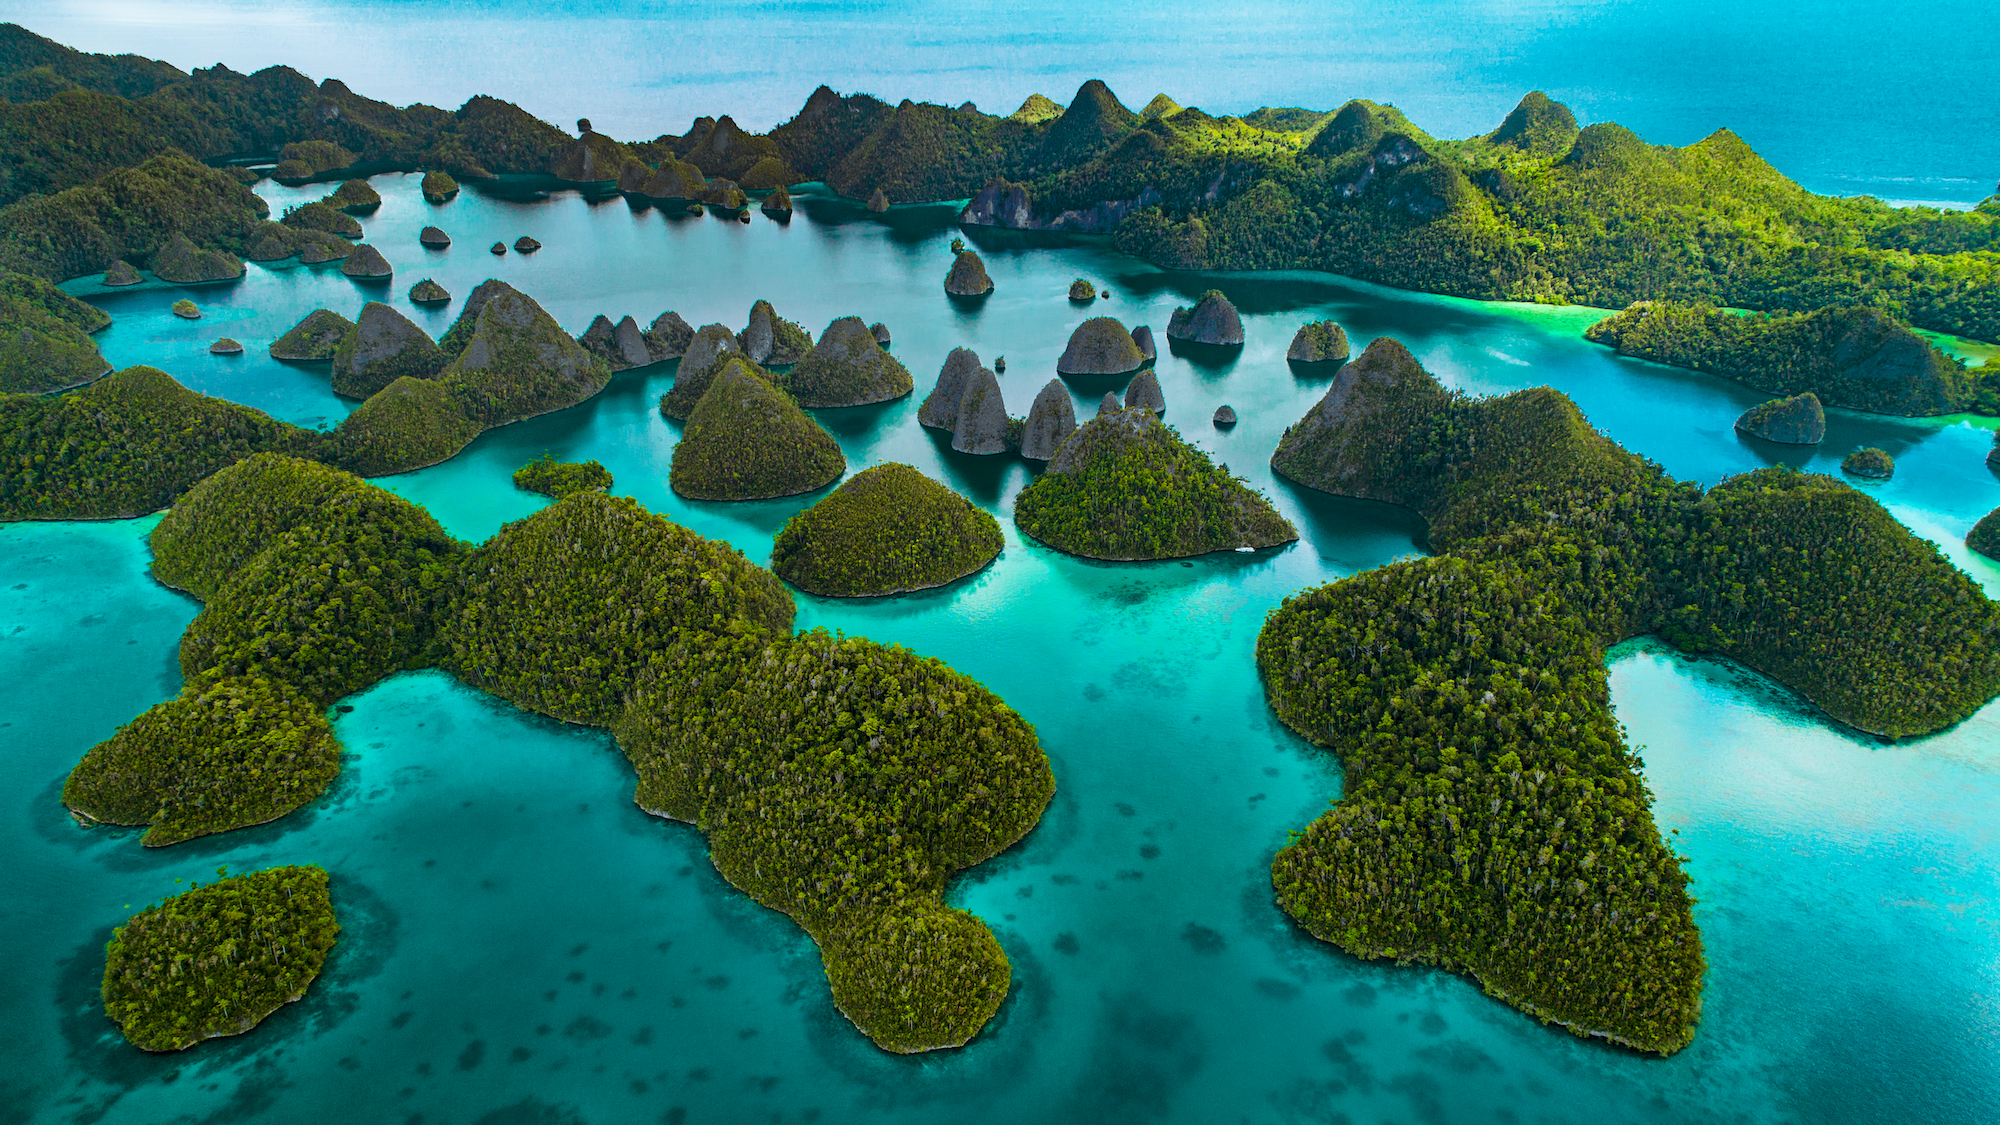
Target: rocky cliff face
(1050, 421)
(1100, 346)
(382, 347)
(772, 340)
(518, 362)
(1373, 400)
(1144, 391)
(940, 410)
(367, 264)
(668, 336)
(710, 347)
(1798, 420)
(1212, 320)
(982, 416)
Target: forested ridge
(1493, 820)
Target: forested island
(594, 610)
(1539, 209)
(1493, 820)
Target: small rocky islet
(1211, 320)
(1798, 420)
(1101, 346)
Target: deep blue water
(1847, 97)
(524, 945)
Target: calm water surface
(522, 944)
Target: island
(1125, 487)
(1985, 535)
(846, 368)
(1100, 346)
(1493, 821)
(1870, 463)
(382, 347)
(886, 530)
(216, 960)
(557, 479)
(1319, 341)
(1212, 320)
(313, 338)
(45, 337)
(747, 440)
(1798, 420)
(967, 277)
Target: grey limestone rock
(428, 292)
(968, 276)
(940, 409)
(880, 332)
(771, 340)
(1142, 337)
(1144, 390)
(225, 346)
(982, 416)
(1321, 341)
(847, 368)
(704, 356)
(382, 347)
(434, 237)
(1225, 415)
(620, 345)
(1108, 404)
(631, 343)
(1212, 320)
(526, 245)
(668, 336)
(878, 202)
(1050, 420)
(1100, 346)
(313, 338)
(1798, 420)
(367, 264)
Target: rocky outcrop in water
(846, 368)
(182, 263)
(1225, 416)
(981, 427)
(1212, 320)
(668, 336)
(622, 345)
(1109, 404)
(711, 346)
(313, 338)
(1100, 346)
(778, 204)
(499, 249)
(968, 276)
(1870, 463)
(121, 272)
(1321, 341)
(672, 180)
(428, 292)
(434, 237)
(526, 245)
(355, 197)
(226, 346)
(1142, 338)
(516, 361)
(1144, 390)
(439, 187)
(367, 264)
(1051, 419)
(746, 441)
(382, 347)
(940, 409)
(186, 309)
(771, 340)
(878, 202)
(881, 333)
(1798, 420)
(1082, 290)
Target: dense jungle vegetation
(844, 782)
(558, 479)
(747, 440)
(886, 530)
(1126, 487)
(216, 960)
(1493, 820)
(1848, 356)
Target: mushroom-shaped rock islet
(705, 354)
(1212, 320)
(1144, 390)
(499, 249)
(1082, 290)
(968, 276)
(778, 204)
(1225, 416)
(940, 408)
(1050, 420)
(382, 347)
(1086, 504)
(746, 441)
(668, 336)
(434, 237)
(367, 264)
(526, 245)
(847, 368)
(886, 530)
(982, 416)
(1100, 346)
(121, 272)
(225, 346)
(428, 292)
(1798, 420)
(1870, 464)
(770, 339)
(1321, 341)
(313, 338)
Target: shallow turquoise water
(523, 944)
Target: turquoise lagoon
(523, 944)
